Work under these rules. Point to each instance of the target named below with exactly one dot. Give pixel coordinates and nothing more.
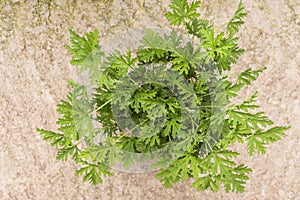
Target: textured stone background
(34, 67)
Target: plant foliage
(180, 115)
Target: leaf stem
(107, 102)
(127, 132)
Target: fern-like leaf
(237, 20)
(182, 11)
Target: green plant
(168, 101)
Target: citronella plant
(167, 103)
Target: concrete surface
(34, 67)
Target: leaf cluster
(169, 100)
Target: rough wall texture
(34, 67)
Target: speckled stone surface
(34, 67)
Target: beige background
(34, 67)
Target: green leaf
(82, 117)
(183, 58)
(180, 169)
(224, 51)
(173, 41)
(148, 144)
(253, 143)
(235, 182)
(81, 47)
(232, 89)
(64, 153)
(171, 127)
(105, 153)
(153, 48)
(181, 11)
(195, 27)
(151, 39)
(220, 170)
(237, 20)
(92, 172)
(119, 64)
(248, 104)
(78, 155)
(66, 121)
(87, 53)
(221, 163)
(249, 75)
(207, 182)
(258, 141)
(56, 139)
(256, 120)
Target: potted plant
(165, 105)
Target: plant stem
(107, 102)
